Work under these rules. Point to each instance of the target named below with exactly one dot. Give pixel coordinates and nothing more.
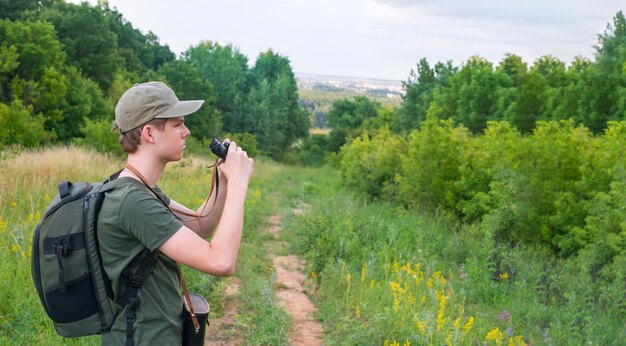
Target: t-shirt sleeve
(147, 219)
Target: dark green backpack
(67, 267)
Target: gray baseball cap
(152, 100)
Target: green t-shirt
(132, 219)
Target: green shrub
(431, 165)
(19, 126)
(312, 151)
(489, 156)
(245, 140)
(97, 135)
(370, 164)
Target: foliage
(318, 102)
(346, 117)
(311, 151)
(369, 164)
(246, 141)
(97, 135)
(183, 76)
(558, 187)
(591, 93)
(261, 101)
(19, 126)
(69, 63)
(430, 165)
(273, 105)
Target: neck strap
(194, 216)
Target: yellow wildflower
(362, 275)
(357, 312)
(504, 276)
(517, 341)
(457, 324)
(3, 226)
(441, 320)
(410, 298)
(397, 291)
(15, 248)
(421, 326)
(348, 278)
(396, 266)
(495, 335)
(468, 326)
(407, 343)
(13, 205)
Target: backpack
(67, 266)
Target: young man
(151, 122)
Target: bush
(97, 135)
(431, 166)
(19, 126)
(370, 164)
(312, 151)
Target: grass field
(382, 274)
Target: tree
(477, 85)
(13, 9)
(346, 116)
(418, 96)
(273, 105)
(87, 39)
(183, 77)
(227, 71)
(513, 66)
(610, 81)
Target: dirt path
(292, 296)
(290, 291)
(221, 331)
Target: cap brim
(182, 108)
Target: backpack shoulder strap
(144, 262)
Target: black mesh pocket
(76, 303)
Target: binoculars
(219, 149)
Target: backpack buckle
(63, 246)
(136, 281)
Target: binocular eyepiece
(219, 149)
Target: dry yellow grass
(42, 169)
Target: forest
(64, 66)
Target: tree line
(63, 67)
(590, 93)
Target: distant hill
(370, 86)
(317, 92)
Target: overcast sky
(378, 38)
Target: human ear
(146, 133)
